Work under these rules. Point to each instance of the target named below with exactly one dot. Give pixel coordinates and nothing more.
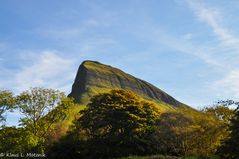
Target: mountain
(94, 77)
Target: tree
(52, 125)
(16, 140)
(35, 103)
(43, 112)
(221, 111)
(175, 133)
(230, 146)
(6, 103)
(189, 133)
(115, 124)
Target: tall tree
(221, 111)
(7, 102)
(114, 124)
(34, 104)
(16, 140)
(43, 110)
(189, 133)
(230, 147)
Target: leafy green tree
(174, 133)
(6, 103)
(43, 112)
(52, 123)
(16, 140)
(207, 139)
(114, 124)
(71, 146)
(221, 111)
(230, 146)
(186, 133)
(35, 103)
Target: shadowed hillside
(93, 77)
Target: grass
(170, 157)
(196, 157)
(151, 157)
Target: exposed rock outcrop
(94, 77)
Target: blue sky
(188, 48)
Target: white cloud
(213, 18)
(226, 52)
(185, 44)
(47, 70)
(6, 80)
(229, 84)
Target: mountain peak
(90, 62)
(95, 65)
(94, 77)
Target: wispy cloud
(183, 44)
(220, 52)
(213, 18)
(226, 52)
(45, 69)
(228, 85)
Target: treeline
(42, 112)
(116, 124)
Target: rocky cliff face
(93, 77)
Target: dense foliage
(230, 147)
(42, 111)
(115, 124)
(35, 104)
(6, 103)
(183, 134)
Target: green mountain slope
(94, 77)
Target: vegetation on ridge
(115, 124)
(93, 78)
(46, 115)
(122, 117)
(112, 126)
